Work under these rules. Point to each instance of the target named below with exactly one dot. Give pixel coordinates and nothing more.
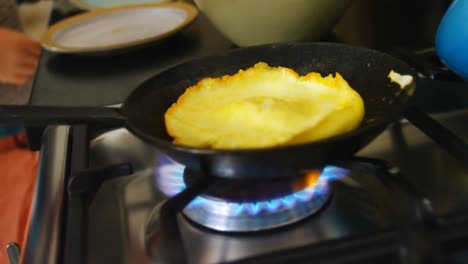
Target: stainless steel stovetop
(117, 214)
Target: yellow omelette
(263, 106)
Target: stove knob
(13, 252)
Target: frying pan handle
(53, 115)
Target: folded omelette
(264, 106)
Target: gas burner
(260, 215)
(306, 196)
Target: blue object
(452, 38)
(10, 130)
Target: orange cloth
(18, 168)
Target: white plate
(106, 30)
(95, 4)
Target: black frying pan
(143, 111)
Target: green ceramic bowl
(252, 22)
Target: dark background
(67, 80)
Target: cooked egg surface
(263, 106)
(402, 80)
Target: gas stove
(104, 196)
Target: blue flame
(169, 176)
